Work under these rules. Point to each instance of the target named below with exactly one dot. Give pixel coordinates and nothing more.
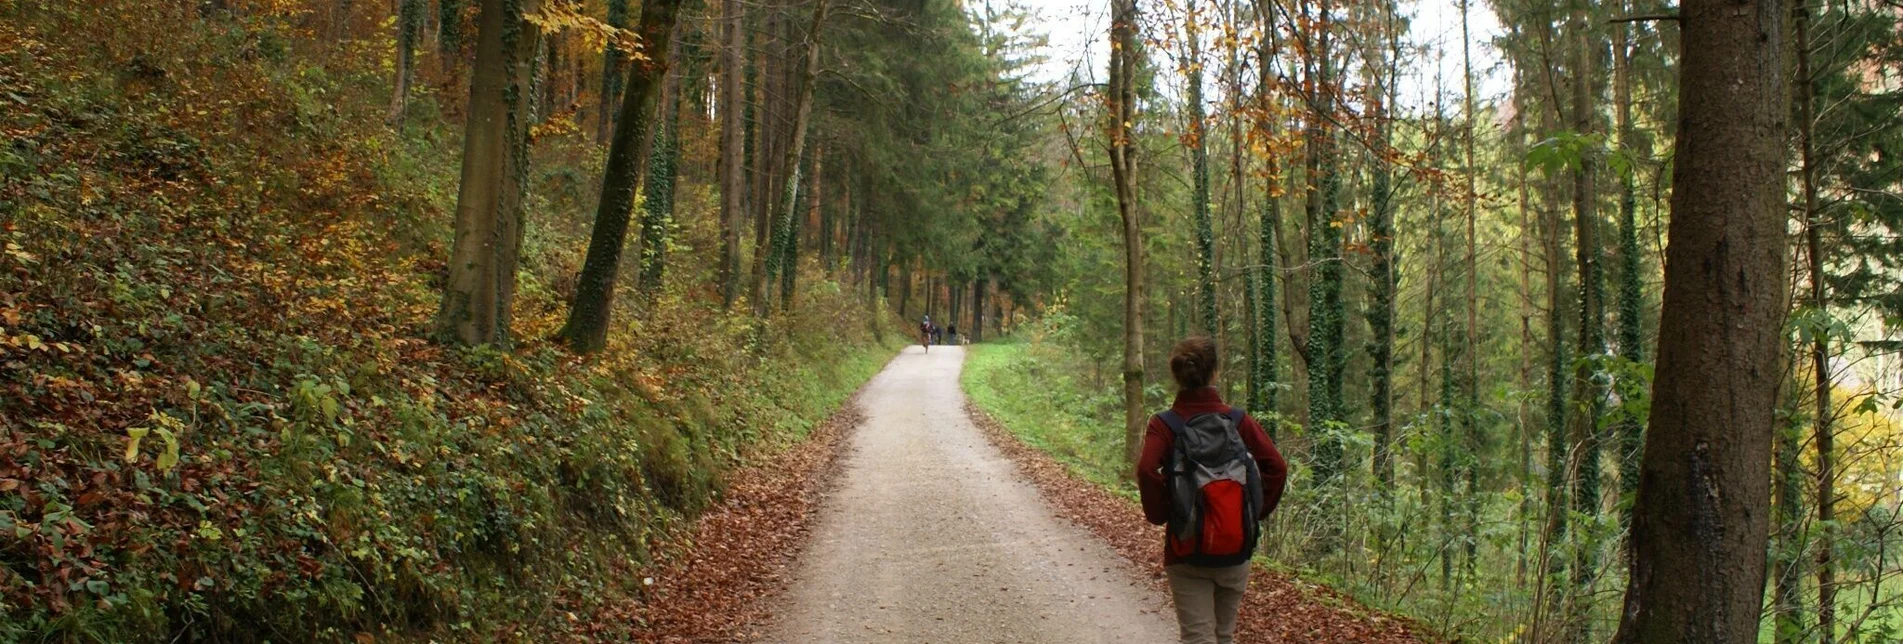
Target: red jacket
(1157, 441)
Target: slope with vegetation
(221, 414)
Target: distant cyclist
(925, 333)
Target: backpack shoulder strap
(1174, 421)
(1236, 414)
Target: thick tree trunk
(587, 327)
(488, 234)
(1700, 527)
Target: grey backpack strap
(1236, 414)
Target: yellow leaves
(168, 428)
(594, 34)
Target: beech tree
(495, 172)
(587, 328)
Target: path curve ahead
(930, 535)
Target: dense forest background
(434, 317)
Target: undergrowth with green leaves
(220, 415)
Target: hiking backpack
(1215, 490)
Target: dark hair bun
(1193, 362)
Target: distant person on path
(1209, 474)
(925, 333)
(953, 331)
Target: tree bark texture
(1700, 526)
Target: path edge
(1277, 608)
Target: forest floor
(925, 522)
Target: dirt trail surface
(931, 535)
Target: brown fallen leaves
(720, 590)
(1277, 608)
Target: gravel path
(931, 535)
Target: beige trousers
(1207, 600)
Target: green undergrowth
(1049, 402)
(221, 418)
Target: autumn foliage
(221, 417)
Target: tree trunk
(1588, 398)
(488, 234)
(1120, 126)
(1199, 171)
(409, 23)
(1631, 430)
(587, 327)
(612, 60)
(802, 116)
(978, 309)
(1699, 529)
(1381, 259)
(1822, 433)
(733, 175)
(1326, 359)
(663, 167)
(1271, 217)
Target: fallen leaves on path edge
(1276, 608)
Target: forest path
(930, 534)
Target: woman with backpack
(1209, 474)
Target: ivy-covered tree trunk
(409, 22)
(612, 62)
(587, 328)
(495, 173)
(1381, 268)
(1588, 398)
(733, 175)
(657, 214)
(1326, 359)
(449, 37)
(1631, 338)
(802, 116)
(1700, 528)
(1271, 215)
(1199, 172)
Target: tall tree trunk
(587, 328)
(1199, 171)
(802, 115)
(495, 172)
(1121, 132)
(1588, 398)
(1326, 359)
(978, 292)
(1381, 256)
(1699, 530)
(612, 62)
(1631, 430)
(733, 175)
(1822, 433)
(1271, 217)
(663, 167)
(409, 23)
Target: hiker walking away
(952, 330)
(1209, 474)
